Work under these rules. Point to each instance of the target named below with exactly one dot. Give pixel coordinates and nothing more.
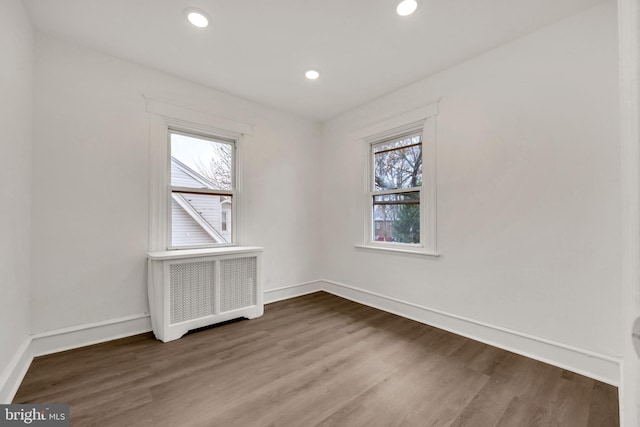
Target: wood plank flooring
(316, 360)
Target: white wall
(529, 187)
(91, 173)
(629, 41)
(529, 201)
(16, 94)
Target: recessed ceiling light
(312, 74)
(406, 7)
(197, 17)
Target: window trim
(165, 117)
(421, 120)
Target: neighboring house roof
(183, 176)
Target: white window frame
(232, 192)
(165, 117)
(423, 121)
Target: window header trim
(406, 123)
(193, 119)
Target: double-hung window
(401, 183)
(195, 180)
(202, 190)
(397, 189)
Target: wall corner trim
(13, 374)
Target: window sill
(192, 253)
(399, 250)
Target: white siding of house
(185, 230)
(207, 206)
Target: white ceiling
(259, 49)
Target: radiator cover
(196, 288)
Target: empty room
(331, 213)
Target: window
(202, 190)
(194, 177)
(400, 183)
(396, 188)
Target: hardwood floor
(317, 360)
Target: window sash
(207, 226)
(192, 190)
(397, 137)
(396, 191)
(373, 193)
(393, 141)
(398, 226)
(421, 222)
(218, 140)
(204, 191)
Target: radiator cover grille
(237, 283)
(191, 286)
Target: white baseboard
(286, 292)
(93, 333)
(585, 362)
(66, 339)
(13, 374)
(594, 365)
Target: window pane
(201, 163)
(200, 219)
(397, 217)
(398, 163)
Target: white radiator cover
(189, 289)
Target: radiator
(195, 288)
